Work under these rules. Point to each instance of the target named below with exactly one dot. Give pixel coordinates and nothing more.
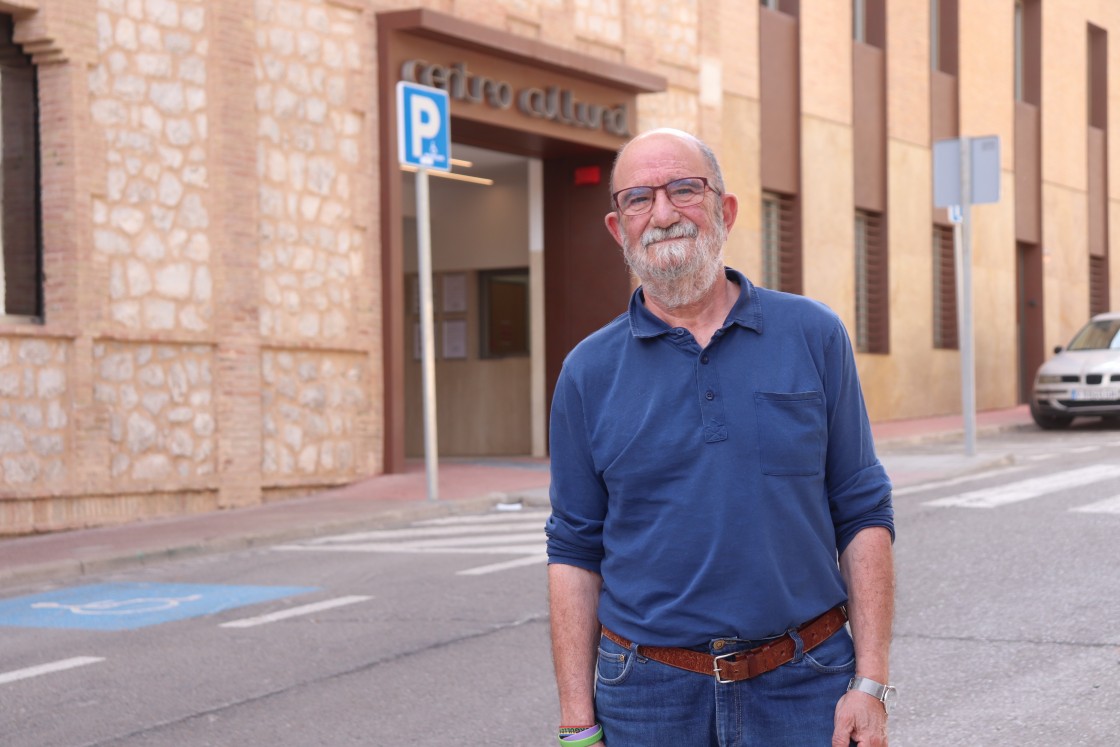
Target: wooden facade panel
(1028, 174)
(870, 127)
(780, 102)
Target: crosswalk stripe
(926, 486)
(499, 518)
(389, 547)
(1026, 489)
(493, 567)
(434, 531)
(520, 533)
(1107, 506)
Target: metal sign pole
(427, 332)
(964, 302)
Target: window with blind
(781, 265)
(944, 289)
(872, 299)
(21, 265)
(1098, 284)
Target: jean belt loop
(798, 645)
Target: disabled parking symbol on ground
(127, 606)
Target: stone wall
(113, 408)
(148, 96)
(34, 407)
(310, 156)
(161, 411)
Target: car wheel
(1050, 422)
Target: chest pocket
(791, 432)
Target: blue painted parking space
(130, 606)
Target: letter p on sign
(423, 126)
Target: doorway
(523, 269)
(487, 323)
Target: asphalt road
(437, 634)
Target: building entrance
(523, 269)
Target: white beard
(678, 273)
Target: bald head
(669, 134)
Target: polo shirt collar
(747, 312)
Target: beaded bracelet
(571, 737)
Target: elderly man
(718, 511)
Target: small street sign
(423, 126)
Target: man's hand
(860, 719)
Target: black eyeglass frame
(665, 187)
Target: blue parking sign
(423, 126)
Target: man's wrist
(573, 736)
(884, 693)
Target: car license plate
(1096, 394)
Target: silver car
(1082, 379)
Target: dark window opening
(21, 285)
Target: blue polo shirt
(713, 488)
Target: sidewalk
(465, 486)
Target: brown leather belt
(745, 664)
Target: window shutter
(781, 254)
(1098, 284)
(872, 284)
(944, 289)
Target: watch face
(889, 696)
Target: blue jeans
(643, 703)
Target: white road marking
(956, 481)
(1023, 490)
(494, 567)
(411, 532)
(501, 518)
(418, 547)
(1107, 506)
(54, 666)
(307, 609)
(507, 533)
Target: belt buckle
(715, 667)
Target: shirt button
(709, 395)
(704, 359)
(679, 331)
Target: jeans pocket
(835, 655)
(614, 662)
(793, 426)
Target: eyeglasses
(681, 192)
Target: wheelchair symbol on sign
(140, 606)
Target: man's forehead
(660, 152)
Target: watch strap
(883, 693)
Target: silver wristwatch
(885, 694)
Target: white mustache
(682, 230)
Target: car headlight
(1049, 379)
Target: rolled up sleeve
(859, 491)
(577, 491)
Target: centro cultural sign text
(553, 103)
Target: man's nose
(664, 213)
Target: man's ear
(730, 209)
(614, 225)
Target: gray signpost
(966, 171)
(424, 141)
